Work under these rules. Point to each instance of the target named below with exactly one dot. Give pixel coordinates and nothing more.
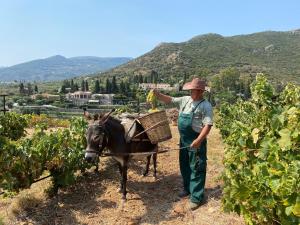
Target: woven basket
(156, 126)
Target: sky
(32, 29)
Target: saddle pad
(130, 128)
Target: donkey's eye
(96, 137)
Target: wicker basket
(156, 126)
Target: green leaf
(288, 210)
(285, 140)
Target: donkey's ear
(106, 116)
(102, 117)
(86, 114)
(96, 116)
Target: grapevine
(262, 157)
(24, 159)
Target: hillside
(274, 53)
(58, 68)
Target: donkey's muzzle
(90, 157)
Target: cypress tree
(21, 88)
(82, 85)
(114, 85)
(36, 90)
(86, 86)
(97, 87)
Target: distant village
(79, 98)
(71, 96)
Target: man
(194, 124)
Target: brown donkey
(108, 132)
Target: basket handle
(152, 127)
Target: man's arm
(204, 132)
(161, 97)
(207, 124)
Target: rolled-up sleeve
(208, 115)
(177, 100)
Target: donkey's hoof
(145, 174)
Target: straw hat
(196, 83)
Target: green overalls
(192, 161)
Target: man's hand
(196, 143)
(162, 97)
(156, 92)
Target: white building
(79, 97)
(104, 99)
(160, 86)
(86, 97)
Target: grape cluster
(151, 98)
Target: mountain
(271, 52)
(58, 68)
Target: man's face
(196, 94)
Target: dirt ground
(95, 199)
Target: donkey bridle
(100, 146)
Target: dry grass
(94, 198)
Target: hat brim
(190, 86)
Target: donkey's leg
(154, 156)
(121, 173)
(124, 177)
(147, 166)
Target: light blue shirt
(203, 114)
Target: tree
(135, 79)
(86, 86)
(29, 87)
(154, 76)
(127, 87)
(76, 88)
(108, 86)
(230, 78)
(149, 79)
(122, 88)
(140, 79)
(102, 90)
(97, 87)
(145, 79)
(67, 83)
(36, 90)
(63, 89)
(184, 78)
(21, 88)
(114, 85)
(82, 85)
(72, 86)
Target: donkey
(108, 132)
(95, 117)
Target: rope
(143, 153)
(43, 178)
(150, 128)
